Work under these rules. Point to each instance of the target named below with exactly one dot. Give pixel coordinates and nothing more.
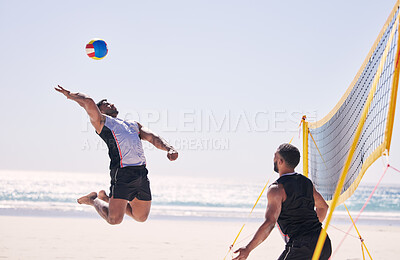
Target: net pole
(393, 97)
(322, 236)
(305, 146)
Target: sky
(225, 82)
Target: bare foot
(103, 196)
(88, 199)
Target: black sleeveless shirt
(298, 217)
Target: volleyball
(96, 49)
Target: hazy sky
(224, 81)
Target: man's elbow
(326, 206)
(323, 208)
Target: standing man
(130, 188)
(291, 202)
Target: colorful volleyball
(96, 49)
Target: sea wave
(50, 193)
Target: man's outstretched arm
(96, 118)
(275, 197)
(321, 207)
(158, 141)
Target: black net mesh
(335, 137)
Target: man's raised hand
(63, 91)
(74, 96)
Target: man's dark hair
(290, 154)
(101, 102)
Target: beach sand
(91, 238)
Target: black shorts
(303, 248)
(130, 182)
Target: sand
(91, 238)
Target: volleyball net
(367, 106)
(338, 149)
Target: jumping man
(291, 202)
(130, 188)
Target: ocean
(174, 197)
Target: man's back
(298, 217)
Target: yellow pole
(357, 135)
(305, 146)
(393, 98)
